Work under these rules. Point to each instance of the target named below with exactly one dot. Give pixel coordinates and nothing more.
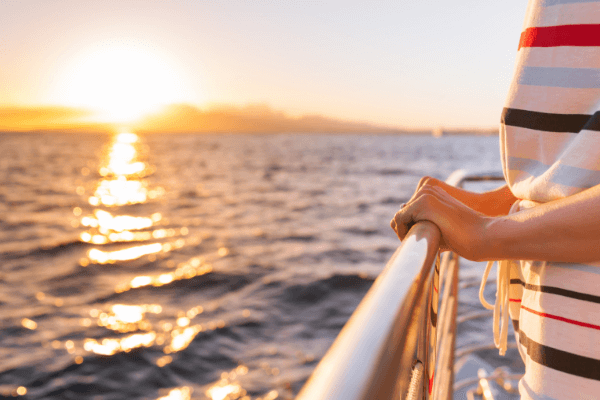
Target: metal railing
(387, 349)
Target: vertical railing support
(447, 333)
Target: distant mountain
(185, 118)
(250, 119)
(49, 118)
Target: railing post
(447, 332)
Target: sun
(121, 82)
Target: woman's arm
(492, 203)
(566, 230)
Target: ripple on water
(194, 266)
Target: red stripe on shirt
(431, 382)
(562, 35)
(556, 317)
(515, 300)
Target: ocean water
(202, 266)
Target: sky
(405, 64)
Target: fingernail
(402, 205)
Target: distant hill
(49, 118)
(185, 118)
(250, 119)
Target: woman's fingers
(412, 212)
(429, 203)
(424, 182)
(461, 227)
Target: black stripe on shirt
(560, 360)
(549, 122)
(564, 292)
(558, 291)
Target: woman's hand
(562, 230)
(493, 203)
(461, 226)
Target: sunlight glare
(183, 338)
(122, 81)
(106, 222)
(131, 253)
(183, 271)
(227, 389)
(218, 392)
(119, 189)
(128, 314)
(183, 393)
(127, 137)
(112, 346)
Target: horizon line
(188, 118)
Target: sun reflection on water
(105, 222)
(132, 326)
(228, 389)
(119, 192)
(173, 335)
(126, 318)
(122, 183)
(112, 346)
(186, 270)
(131, 318)
(29, 324)
(131, 253)
(182, 393)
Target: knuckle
(424, 181)
(436, 190)
(425, 196)
(428, 180)
(427, 200)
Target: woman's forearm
(496, 202)
(566, 230)
(493, 203)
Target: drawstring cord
(501, 306)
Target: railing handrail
(372, 356)
(382, 321)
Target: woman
(548, 214)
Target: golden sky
(402, 64)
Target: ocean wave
(203, 286)
(21, 249)
(283, 239)
(316, 291)
(394, 200)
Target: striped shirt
(550, 148)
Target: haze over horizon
(309, 65)
(180, 118)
